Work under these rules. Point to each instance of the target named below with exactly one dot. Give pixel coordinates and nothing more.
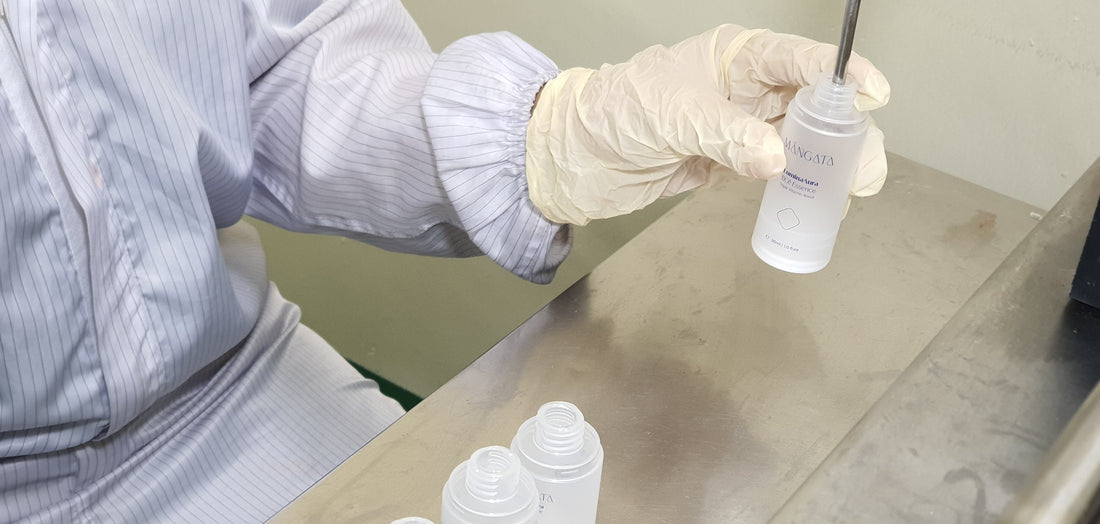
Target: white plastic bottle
(564, 454)
(490, 488)
(801, 212)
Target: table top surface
(717, 384)
(958, 435)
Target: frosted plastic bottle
(802, 209)
(564, 454)
(490, 488)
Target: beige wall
(1004, 94)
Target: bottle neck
(833, 97)
(493, 473)
(830, 105)
(559, 428)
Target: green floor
(417, 321)
(406, 398)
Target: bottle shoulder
(827, 117)
(538, 459)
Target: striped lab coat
(148, 370)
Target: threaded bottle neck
(559, 428)
(493, 473)
(834, 97)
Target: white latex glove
(607, 142)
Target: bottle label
(807, 155)
(804, 187)
(799, 157)
(801, 211)
(569, 503)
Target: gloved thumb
(708, 125)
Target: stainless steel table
(717, 384)
(957, 436)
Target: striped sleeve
(477, 104)
(360, 130)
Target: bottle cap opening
(493, 473)
(559, 428)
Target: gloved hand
(607, 142)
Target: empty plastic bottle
(564, 454)
(490, 488)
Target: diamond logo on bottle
(788, 219)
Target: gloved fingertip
(871, 178)
(874, 133)
(871, 189)
(874, 91)
(762, 152)
(871, 174)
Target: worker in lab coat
(150, 371)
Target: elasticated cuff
(477, 104)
